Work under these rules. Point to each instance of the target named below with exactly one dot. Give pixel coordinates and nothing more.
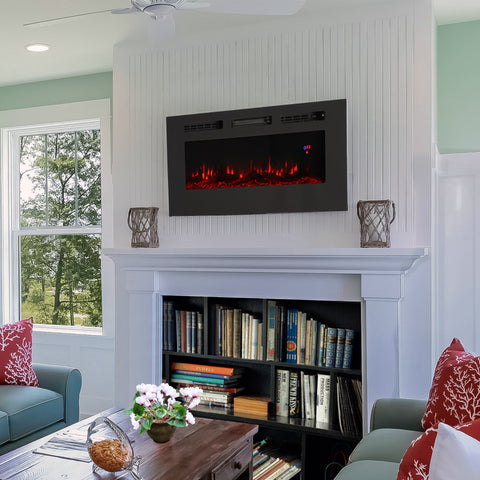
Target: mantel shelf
(323, 260)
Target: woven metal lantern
(375, 219)
(143, 224)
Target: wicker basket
(375, 222)
(143, 224)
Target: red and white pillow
(16, 354)
(415, 464)
(455, 393)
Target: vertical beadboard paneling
(368, 62)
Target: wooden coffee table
(210, 449)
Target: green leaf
(138, 409)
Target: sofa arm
(64, 380)
(401, 413)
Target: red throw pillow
(415, 464)
(16, 354)
(455, 394)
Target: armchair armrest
(401, 413)
(64, 380)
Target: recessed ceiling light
(37, 47)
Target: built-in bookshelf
(278, 349)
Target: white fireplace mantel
(323, 260)
(375, 277)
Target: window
(59, 205)
(52, 231)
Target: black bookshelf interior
(317, 445)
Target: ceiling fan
(162, 9)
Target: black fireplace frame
(327, 116)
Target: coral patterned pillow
(16, 354)
(455, 393)
(415, 464)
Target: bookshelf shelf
(311, 441)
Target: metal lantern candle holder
(375, 219)
(143, 224)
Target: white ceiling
(85, 45)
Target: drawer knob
(237, 465)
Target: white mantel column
(140, 333)
(382, 295)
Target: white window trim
(21, 122)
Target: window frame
(13, 125)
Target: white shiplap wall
(374, 61)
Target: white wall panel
(369, 61)
(458, 250)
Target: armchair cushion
(368, 470)
(29, 408)
(386, 444)
(4, 428)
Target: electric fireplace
(289, 158)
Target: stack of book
(237, 334)
(301, 395)
(254, 406)
(220, 384)
(349, 402)
(270, 463)
(183, 330)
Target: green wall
(53, 92)
(458, 78)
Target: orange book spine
(191, 367)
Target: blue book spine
(340, 348)
(348, 351)
(202, 374)
(292, 335)
(331, 347)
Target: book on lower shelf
(270, 462)
(349, 405)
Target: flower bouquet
(163, 404)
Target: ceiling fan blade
(121, 11)
(68, 18)
(257, 7)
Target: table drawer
(235, 465)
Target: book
(237, 332)
(294, 395)
(340, 348)
(323, 398)
(170, 329)
(281, 402)
(331, 347)
(183, 330)
(301, 340)
(321, 351)
(292, 335)
(193, 367)
(188, 331)
(314, 343)
(281, 329)
(348, 350)
(271, 330)
(178, 330)
(181, 378)
(200, 333)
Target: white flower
(189, 418)
(136, 423)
